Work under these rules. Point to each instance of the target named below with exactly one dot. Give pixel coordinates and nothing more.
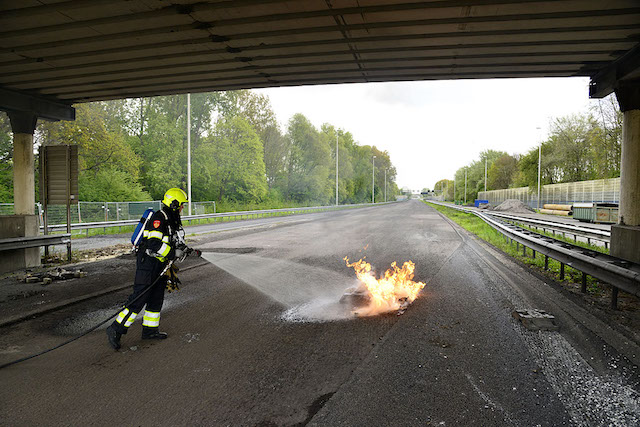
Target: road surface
(257, 337)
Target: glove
(196, 252)
(179, 253)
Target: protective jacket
(160, 236)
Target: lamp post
(385, 186)
(485, 175)
(539, 164)
(189, 150)
(465, 186)
(373, 181)
(336, 169)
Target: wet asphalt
(256, 337)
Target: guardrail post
(524, 251)
(534, 253)
(584, 283)
(588, 240)
(614, 298)
(546, 262)
(562, 271)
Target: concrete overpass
(57, 53)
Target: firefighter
(161, 243)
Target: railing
(620, 274)
(585, 232)
(87, 212)
(231, 215)
(32, 242)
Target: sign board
(59, 174)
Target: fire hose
(167, 268)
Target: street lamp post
(336, 169)
(465, 186)
(189, 150)
(485, 174)
(373, 181)
(385, 186)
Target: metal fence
(600, 190)
(85, 212)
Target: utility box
(606, 213)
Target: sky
(433, 128)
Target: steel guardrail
(586, 232)
(621, 274)
(264, 212)
(14, 243)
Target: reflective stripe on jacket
(157, 237)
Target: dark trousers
(148, 269)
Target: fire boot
(114, 337)
(153, 334)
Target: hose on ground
(93, 328)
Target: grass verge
(475, 225)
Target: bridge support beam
(23, 126)
(24, 223)
(24, 110)
(625, 236)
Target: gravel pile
(513, 206)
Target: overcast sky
(431, 129)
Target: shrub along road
(250, 344)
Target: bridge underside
(56, 53)
(88, 50)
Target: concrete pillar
(23, 125)
(24, 189)
(630, 170)
(24, 223)
(625, 236)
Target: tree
(308, 162)
(137, 148)
(110, 185)
(6, 160)
(572, 138)
(445, 187)
(102, 153)
(276, 148)
(475, 175)
(501, 173)
(607, 144)
(230, 163)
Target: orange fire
(393, 291)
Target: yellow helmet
(174, 198)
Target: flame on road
(395, 290)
